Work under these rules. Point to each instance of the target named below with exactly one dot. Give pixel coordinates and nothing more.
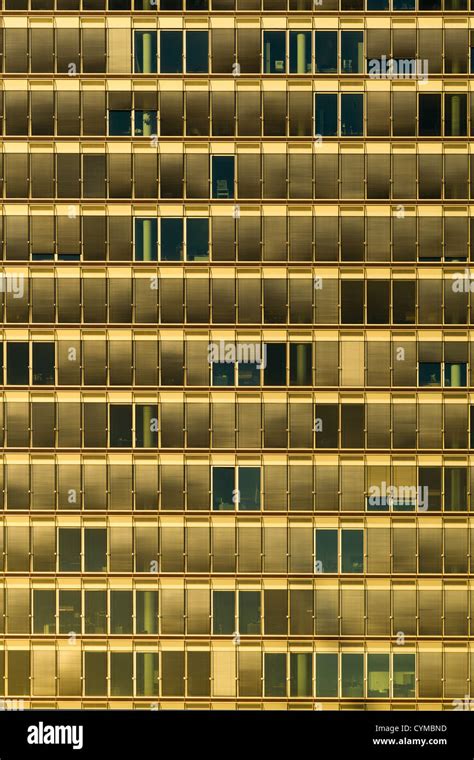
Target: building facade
(236, 354)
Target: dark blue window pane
(352, 115)
(274, 52)
(171, 240)
(171, 52)
(196, 52)
(197, 239)
(145, 123)
(326, 115)
(223, 485)
(223, 177)
(326, 52)
(249, 374)
(120, 123)
(429, 373)
(455, 375)
(222, 373)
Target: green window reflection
(121, 674)
(300, 674)
(147, 611)
(69, 611)
(95, 611)
(44, 609)
(275, 674)
(249, 488)
(147, 674)
(120, 612)
(352, 675)
(352, 551)
(326, 551)
(378, 666)
(223, 485)
(95, 540)
(403, 675)
(250, 612)
(274, 52)
(326, 675)
(223, 612)
(69, 550)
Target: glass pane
(455, 375)
(223, 612)
(145, 52)
(429, 373)
(249, 488)
(223, 373)
(352, 675)
(274, 52)
(352, 551)
(145, 123)
(249, 612)
(223, 177)
(43, 363)
(300, 675)
(326, 551)
(196, 52)
(403, 675)
(275, 675)
(352, 52)
(172, 241)
(146, 239)
(249, 373)
(171, 52)
(326, 52)
(326, 675)
(300, 52)
(326, 115)
(223, 479)
(378, 675)
(197, 239)
(120, 123)
(352, 113)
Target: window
(44, 610)
(300, 52)
(326, 114)
(147, 612)
(95, 550)
(171, 52)
(429, 373)
(403, 675)
(69, 541)
(120, 123)
(146, 239)
(120, 425)
(352, 114)
(352, 52)
(223, 177)
(300, 363)
(326, 551)
(326, 675)
(17, 363)
(172, 241)
(250, 612)
(239, 487)
(326, 53)
(275, 674)
(223, 612)
(146, 426)
(121, 612)
(145, 52)
(275, 370)
(43, 363)
(429, 116)
(69, 611)
(352, 675)
(196, 52)
(378, 666)
(274, 52)
(197, 239)
(95, 618)
(301, 674)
